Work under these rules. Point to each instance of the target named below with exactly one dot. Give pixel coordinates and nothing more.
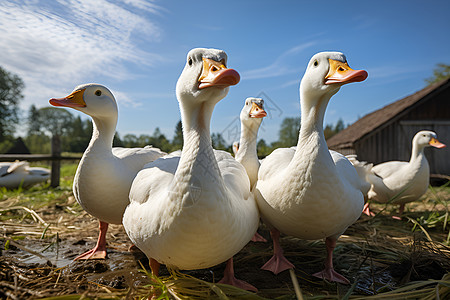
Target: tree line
(75, 133)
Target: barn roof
(374, 120)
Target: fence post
(56, 163)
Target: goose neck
(416, 153)
(247, 142)
(197, 156)
(102, 134)
(312, 117)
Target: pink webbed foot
(238, 283)
(366, 210)
(94, 253)
(258, 238)
(278, 263)
(230, 279)
(99, 251)
(332, 276)
(329, 273)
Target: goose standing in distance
(19, 173)
(104, 175)
(401, 182)
(310, 192)
(246, 152)
(251, 117)
(196, 210)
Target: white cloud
(53, 47)
(281, 66)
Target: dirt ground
(378, 255)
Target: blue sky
(137, 48)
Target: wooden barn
(386, 134)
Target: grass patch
(382, 257)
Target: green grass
(39, 195)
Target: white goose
(251, 119)
(310, 192)
(246, 153)
(104, 175)
(401, 182)
(194, 211)
(19, 173)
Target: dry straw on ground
(383, 258)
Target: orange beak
(340, 72)
(217, 74)
(257, 111)
(74, 100)
(435, 143)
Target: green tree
(328, 131)
(331, 130)
(117, 142)
(218, 142)
(130, 140)
(55, 121)
(11, 87)
(339, 126)
(160, 141)
(177, 142)
(34, 122)
(79, 135)
(144, 140)
(38, 143)
(288, 134)
(263, 149)
(441, 72)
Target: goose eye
(190, 61)
(98, 93)
(316, 63)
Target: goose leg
(99, 251)
(329, 273)
(401, 209)
(228, 278)
(258, 238)
(278, 263)
(154, 266)
(366, 210)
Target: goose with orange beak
(308, 191)
(401, 182)
(104, 175)
(195, 210)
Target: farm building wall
(393, 140)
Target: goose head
(427, 138)
(205, 77)
(326, 73)
(94, 100)
(252, 112)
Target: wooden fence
(55, 158)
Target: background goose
(246, 153)
(401, 182)
(19, 173)
(310, 192)
(196, 210)
(104, 175)
(251, 118)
